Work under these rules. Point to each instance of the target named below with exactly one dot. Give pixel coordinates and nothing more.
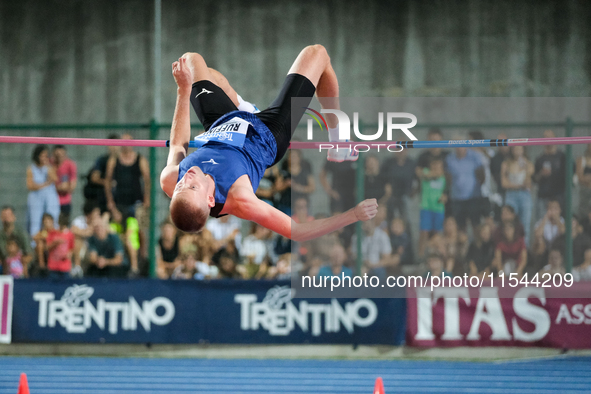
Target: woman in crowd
(481, 252)
(42, 198)
(168, 253)
(510, 252)
(302, 179)
(584, 176)
(456, 246)
(516, 173)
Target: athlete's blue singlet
(226, 163)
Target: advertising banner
(525, 316)
(6, 285)
(154, 311)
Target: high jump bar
(311, 145)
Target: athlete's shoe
(244, 105)
(342, 155)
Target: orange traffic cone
(378, 388)
(23, 386)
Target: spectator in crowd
(227, 260)
(282, 270)
(282, 245)
(96, 178)
(376, 249)
(581, 242)
(187, 269)
(435, 266)
(381, 218)
(585, 222)
(338, 180)
(312, 266)
(283, 188)
(516, 175)
(399, 173)
(510, 252)
(549, 175)
(167, 253)
(11, 230)
(13, 262)
(401, 242)
(43, 197)
(436, 244)
(555, 263)
(341, 188)
(82, 228)
(255, 250)
(551, 225)
(321, 247)
(128, 230)
(538, 253)
(40, 239)
(224, 229)
(376, 185)
(266, 190)
(130, 174)
(433, 199)
(508, 215)
(583, 271)
(301, 215)
(486, 194)
(424, 160)
(502, 153)
(106, 257)
(302, 179)
(228, 268)
(205, 243)
(456, 246)
(60, 245)
(67, 178)
(336, 266)
(481, 252)
(583, 170)
(466, 174)
(205, 270)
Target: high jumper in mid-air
(221, 177)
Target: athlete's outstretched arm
(249, 207)
(180, 132)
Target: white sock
(245, 105)
(333, 134)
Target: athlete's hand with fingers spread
(182, 75)
(366, 209)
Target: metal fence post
(360, 195)
(568, 214)
(154, 128)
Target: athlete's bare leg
(220, 80)
(200, 71)
(313, 62)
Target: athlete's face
(196, 186)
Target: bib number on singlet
(232, 132)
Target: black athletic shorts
(210, 102)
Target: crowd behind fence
(479, 210)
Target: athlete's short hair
(188, 215)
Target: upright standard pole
(153, 203)
(360, 195)
(568, 208)
(154, 133)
